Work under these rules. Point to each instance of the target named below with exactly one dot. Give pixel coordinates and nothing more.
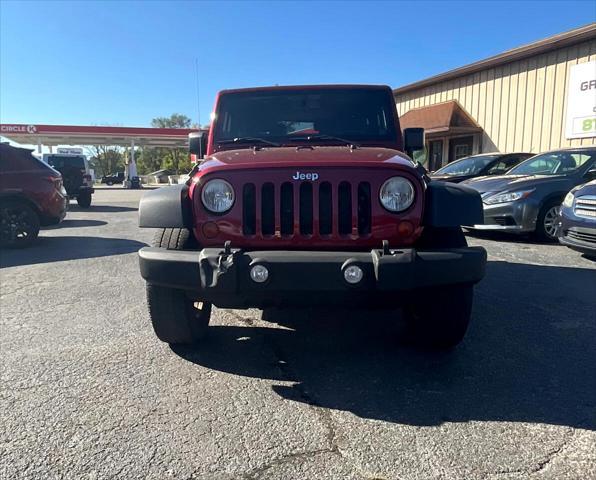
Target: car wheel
(84, 200)
(176, 318)
(546, 222)
(109, 184)
(19, 224)
(438, 318)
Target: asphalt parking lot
(89, 392)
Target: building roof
(95, 135)
(446, 117)
(587, 32)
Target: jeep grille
(297, 204)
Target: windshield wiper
(240, 140)
(323, 136)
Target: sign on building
(70, 151)
(581, 101)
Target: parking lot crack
(258, 472)
(541, 464)
(551, 456)
(323, 414)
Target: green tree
(176, 120)
(175, 159)
(106, 160)
(150, 160)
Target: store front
(451, 133)
(533, 98)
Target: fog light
(259, 273)
(353, 274)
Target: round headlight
(217, 196)
(397, 194)
(568, 202)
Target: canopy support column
(130, 169)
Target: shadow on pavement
(529, 356)
(72, 223)
(101, 208)
(57, 249)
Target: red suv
(307, 196)
(31, 194)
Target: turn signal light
(405, 229)
(210, 229)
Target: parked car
(113, 179)
(160, 176)
(307, 197)
(527, 198)
(74, 168)
(478, 165)
(576, 227)
(31, 194)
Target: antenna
(198, 98)
(198, 105)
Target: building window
(461, 151)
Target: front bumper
(577, 233)
(306, 278)
(516, 217)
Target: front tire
(546, 221)
(19, 224)
(438, 318)
(176, 318)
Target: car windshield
(284, 116)
(554, 163)
(467, 166)
(63, 161)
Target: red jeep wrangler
(306, 197)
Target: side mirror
(413, 140)
(590, 174)
(197, 144)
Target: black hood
(450, 178)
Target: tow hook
(386, 250)
(224, 261)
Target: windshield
(288, 115)
(63, 161)
(467, 166)
(553, 163)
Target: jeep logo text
(306, 176)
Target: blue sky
(123, 63)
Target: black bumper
(306, 278)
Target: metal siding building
(517, 99)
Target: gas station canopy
(51, 135)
